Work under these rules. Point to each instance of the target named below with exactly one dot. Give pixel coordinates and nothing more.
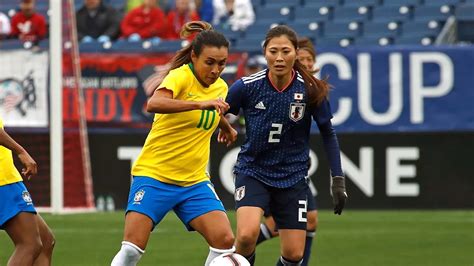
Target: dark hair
(316, 89)
(205, 36)
(306, 44)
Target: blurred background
(75, 76)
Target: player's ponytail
(316, 89)
(205, 35)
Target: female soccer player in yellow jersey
(170, 173)
(33, 239)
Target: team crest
(240, 193)
(139, 196)
(26, 197)
(297, 111)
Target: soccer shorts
(14, 198)
(311, 204)
(287, 205)
(155, 199)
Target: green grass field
(376, 238)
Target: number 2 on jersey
(274, 136)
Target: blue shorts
(155, 199)
(311, 204)
(14, 198)
(287, 205)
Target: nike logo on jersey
(260, 106)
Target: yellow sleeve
(1, 123)
(173, 82)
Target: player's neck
(281, 82)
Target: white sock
(128, 255)
(214, 252)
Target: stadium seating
(380, 29)
(361, 22)
(390, 13)
(349, 14)
(427, 13)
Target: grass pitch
(356, 238)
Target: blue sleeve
(322, 114)
(331, 146)
(235, 97)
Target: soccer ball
(230, 259)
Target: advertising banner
(384, 89)
(24, 88)
(386, 171)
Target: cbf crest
(297, 111)
(138, 196)
(26, 197)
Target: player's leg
(148, 202)
(200, 209)
(24, 233)
(48, 241)
(136, 234)
(215, 227)
(289, 207)
(251, 197)
(248, 228)
(268, 229)
(292, 243)
(310, 228)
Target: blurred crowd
(155, 20)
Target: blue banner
(400, 89)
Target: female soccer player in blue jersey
(170, 173)
(34, 241)
(278, 104)
(306, 55)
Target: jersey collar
(293, 75)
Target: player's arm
(227, 134)
(162, 102)
(30, 166)
(323, 116)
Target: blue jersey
(278, 123)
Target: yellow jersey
(177, 148)
(8, 173)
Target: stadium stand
(327, 22)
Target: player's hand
(227, 136)
(30, 167)
(219, 105)
(339, 195)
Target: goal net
(32, 93)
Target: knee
(49, 241)
(312, 223)
(294, 255)
(33, 248)
(247, 237)
(225, 241)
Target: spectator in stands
(5, 27)
(27, 25)
(178, 16)
(144, 22)
(254, 64)
(205, 9)
(96, 20)
(233, 14)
